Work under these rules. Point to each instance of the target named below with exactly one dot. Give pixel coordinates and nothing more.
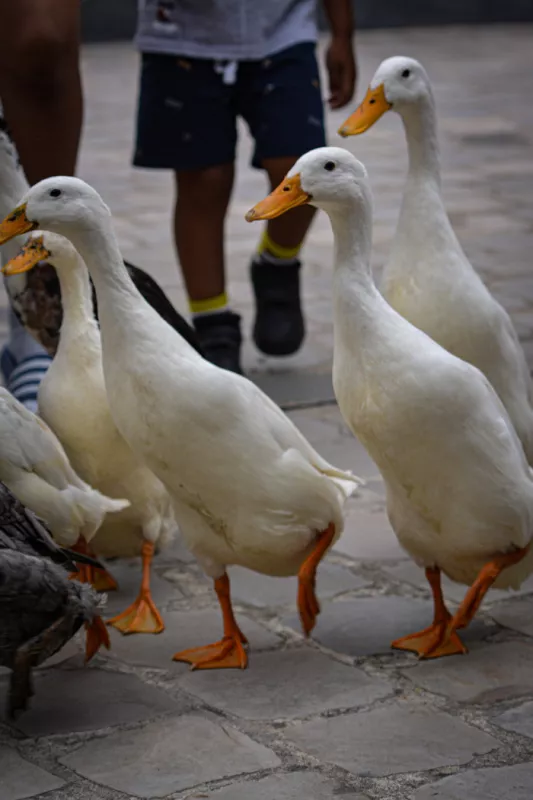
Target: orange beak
(15, 224)
(288, 194)
(371, 109)
(30, 255)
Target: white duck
(73, 401)
(38, 308)
(247, 487)
(459, 489)
(428, 278)
(34, 466)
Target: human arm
(340, 55)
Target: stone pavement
(338, 716)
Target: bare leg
(201, 206)
(40, 83)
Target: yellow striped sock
(267, 245)
(216, 303)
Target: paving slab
(170, 755)
(68, 701)
(515, 614)
(498, 783)
(285, 684)
(398, 737)
(409, 572)
(366, 626)
(184, 629)
(21, 778)
(487, 674)
(288, 786)
(518, 720)
(262, 591)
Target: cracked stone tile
(21, 779)
(169, 755)
(515, 614)
(492, 783)
(366, 626)
(398, 737)
(184, 629)
(288, 786)
(518, 720)
(285, 684)
(67, 701)
(489, 673)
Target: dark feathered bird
(40, 608)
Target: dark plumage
(154, 294)
(21, 530)
(40, 608)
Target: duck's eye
(329, 165)
(406, 73)
(55, 192)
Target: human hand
(342, 71)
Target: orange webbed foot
(142, 616)
(228, 653)
(432, 642)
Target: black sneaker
(279, 328)
(220, 339)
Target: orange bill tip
(289, 194)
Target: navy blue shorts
(187, 115)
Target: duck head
(398, 84)
(42, 246)
(326, 177)
(51, 205)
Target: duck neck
(116, 292)
(354, 291)
(76, 294)
(421, 132)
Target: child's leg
(186, 122)
(282, 104)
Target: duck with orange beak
(428, 278)
(246, 486)
(73, 402)
(459, 489)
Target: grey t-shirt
(236, 30)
